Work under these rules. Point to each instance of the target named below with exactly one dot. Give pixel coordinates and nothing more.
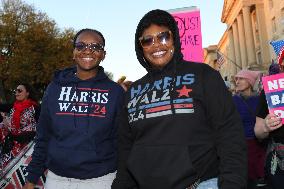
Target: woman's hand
(123, 83)
(263, 127)
(272, 122)
(6, 122)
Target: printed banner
(273, 86)
(189, 24)
(13, 175)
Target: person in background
(246, 100)
(19, 124)
(179, 127)
(269, 126)
(76, 134)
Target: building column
(264, 43)
(243, 51)
(231, 54)
(249, 37)
(236, 45)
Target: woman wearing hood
(179, 127)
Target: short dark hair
(88, 30)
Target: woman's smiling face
(21, 93)
(161, 51)
(86, 58)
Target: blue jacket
(247, 108)
(76, 133)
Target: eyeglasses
(18, 91)
(149, 40)
(94, 47)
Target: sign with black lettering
(189, 24)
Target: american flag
(278, 47)
(220, 58)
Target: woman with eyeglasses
(77, 128)
(20, 123)
(179, 127)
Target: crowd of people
(263, 130)
(246, 100)
(177, 127)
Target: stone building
(251, 25)
(210, 56)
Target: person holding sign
(269, 126)
(246, 100)
(179, 127)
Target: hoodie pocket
(163, 166)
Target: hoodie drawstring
(76, 105)
(93, 138)
(172, 87)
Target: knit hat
(251, 76)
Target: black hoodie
(179, 125)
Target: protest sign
(13, 175)
(273, 86)
(189, 24)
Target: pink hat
(251, 76)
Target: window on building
(271, 4)
(273, 23)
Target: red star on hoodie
(184, 91)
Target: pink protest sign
(273, 86)
(188, 20)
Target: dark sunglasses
(149, 40)
(94, 47)
(18, 90)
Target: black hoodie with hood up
(179, 125)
